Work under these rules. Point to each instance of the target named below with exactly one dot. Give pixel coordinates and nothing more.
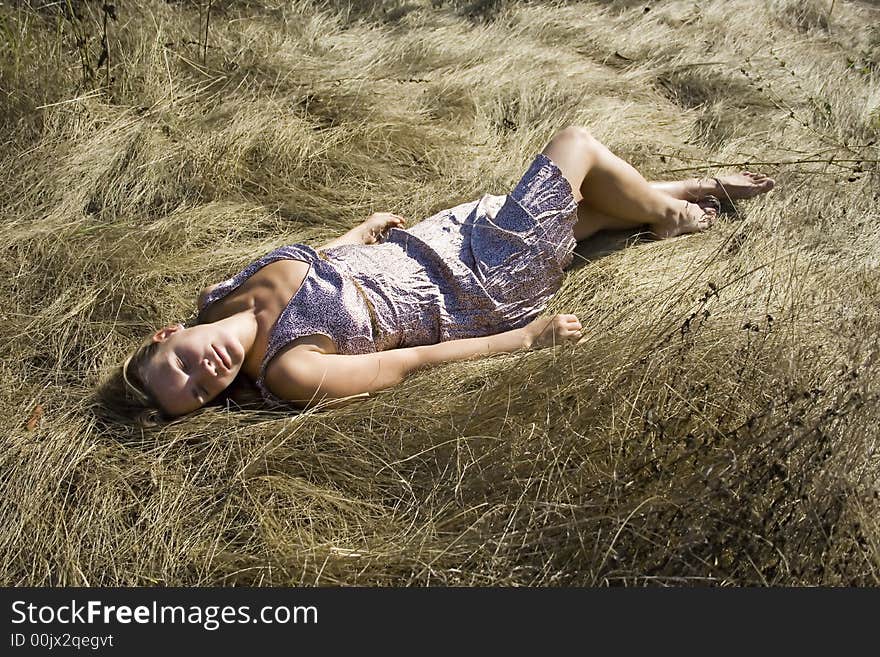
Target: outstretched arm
(370, 231)
(312, 377)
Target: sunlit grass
(719, 425)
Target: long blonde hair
(124, 393)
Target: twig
(91, 94)
(750, 163)
(679, 67)
(80, 43)
(198, 67)
(109, 11)
(207, 23)
(170, 81)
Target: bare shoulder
(294, 365)
(305, 376)
(291, 375)
(203, 295)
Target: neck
(244, 325)
(246, 318)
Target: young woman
(364, 311)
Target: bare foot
(684, 218)
(740, 185)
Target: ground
(718, 424)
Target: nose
(209, 367)
(206, 376)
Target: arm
(369, 232)
(312, 377)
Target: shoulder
(203, 295)
(295, 374)
(299, 356)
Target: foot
(738, 185)
(685, 217)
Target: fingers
(387, 218)
(552, 331)
(380, 223)
(569, 320)
(567, 328)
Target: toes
(759, 184)
(764, 184)
(759, 177)
(708, 218)
(754, 176)
(710, 203)
(700, 218)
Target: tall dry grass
(719, 425)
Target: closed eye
(198, 394)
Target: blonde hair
(124, 394)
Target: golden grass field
(718, 425)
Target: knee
(576, 135)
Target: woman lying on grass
(364, 311)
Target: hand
(550, 331)
(377, 224)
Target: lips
(221, 360)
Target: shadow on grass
(604, 243)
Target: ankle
(675, 211)
(705, 187)
(694, 188)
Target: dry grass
(719, 425)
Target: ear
(164, 333)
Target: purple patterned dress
(476, 269)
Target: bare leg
(590, 222)
(691, 189)
(734, 186)
(613, 188)
(729, 187)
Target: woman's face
(192, 366)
